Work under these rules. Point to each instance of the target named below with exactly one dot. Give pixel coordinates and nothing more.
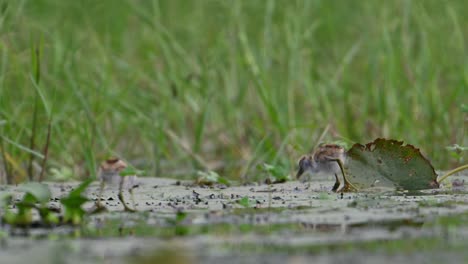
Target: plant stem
(46, 151)
(8, 174)
(461, 168)
(99, 199)
(37, 78)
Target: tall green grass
(175, 86)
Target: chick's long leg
(337, 184)
(121, 198)
(348, 186)
(132, 197)
(337, 180)
(101, 190)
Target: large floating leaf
(388, 163)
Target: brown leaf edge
(372, 145)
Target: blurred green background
(177, 86)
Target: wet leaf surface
(388, 163)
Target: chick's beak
(304, 165)
(300, 172)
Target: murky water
(287, 223)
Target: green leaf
(279, 173)
(388, 163)
(129, 171)
(210, 178)
(341, 143)
(61, 174)
(464, 108)
(245, 202)
(73, 203)
(223, 180)
(22, 218)
(5, 199)
(39, 191)
(73, 211)
(47, 216)
(28, 201)
(180, 216)
(9, 217)
(79, 190)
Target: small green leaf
(279, 173)
(28, 200)
(464, 108)
(9, 217)
(61, 174)
(130, 171)
(210, 178)
(47, 216)
(73, 203)
(180, 216)
(74, 213)
(245, 202)
(342, 143)
(23, 219)
(39, 191)
(268, 167)
(224, 181)
(5, 199)
(23, 216)
(79, 190)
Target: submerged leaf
(388, 163)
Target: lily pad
(388, 163)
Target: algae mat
(283, 223)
